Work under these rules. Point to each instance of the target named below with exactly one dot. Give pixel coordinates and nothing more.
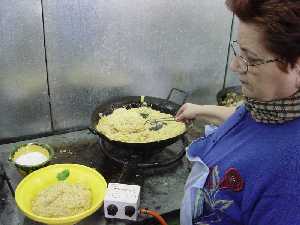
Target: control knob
(112, 210)
(129, 211)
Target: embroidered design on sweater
(207, 208)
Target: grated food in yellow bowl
(62, 199)
(68, 178)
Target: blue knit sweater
(254, 172)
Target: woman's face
(263, 82)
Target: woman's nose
(235, 65)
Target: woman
(248, 171)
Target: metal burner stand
(4, 179)
(136, 160)
(137, 157)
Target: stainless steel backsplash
(98, 49)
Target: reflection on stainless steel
(232, 79)
(100, 49)
(23, 86)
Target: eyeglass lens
(243, 64)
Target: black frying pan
(162, 105)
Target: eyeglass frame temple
(255, 64)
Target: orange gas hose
(155, 215)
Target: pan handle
(181, 92)
(92, 130)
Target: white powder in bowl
(31, 159)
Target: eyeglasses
(245, 63)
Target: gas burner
(138, 158)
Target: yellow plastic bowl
(40, 179)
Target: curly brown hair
(279, 21)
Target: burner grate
(138, 159)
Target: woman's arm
(209, 113)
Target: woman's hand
(209, 113)
(187, 112)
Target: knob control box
(122, 201)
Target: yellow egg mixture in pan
(135, 125)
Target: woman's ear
(297, 73)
